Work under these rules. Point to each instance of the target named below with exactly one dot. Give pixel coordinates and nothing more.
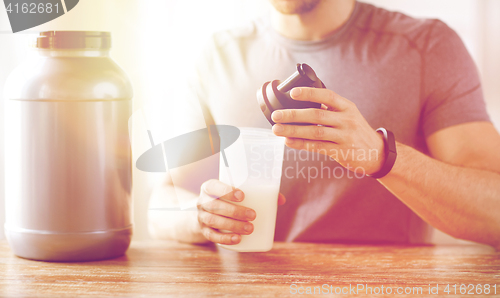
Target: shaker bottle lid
(275, 95)
(74, 40)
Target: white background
(153, 38)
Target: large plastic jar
(67, 151)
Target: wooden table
(170, 269)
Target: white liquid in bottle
(264, 200)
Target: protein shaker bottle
(67, 151)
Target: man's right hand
(216, 212)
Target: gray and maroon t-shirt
(411, 76)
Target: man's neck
(316, 24)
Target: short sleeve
(451, 87)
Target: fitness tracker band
(389, 152)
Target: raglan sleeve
(451, 87)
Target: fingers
(314, 116)
(223, 223)
(322, 96)
(217, 189)
(229, 210)
(218, 237)
(311, 132)
(310, 145)
(216, 214)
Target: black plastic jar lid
(74, 40)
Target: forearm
(462, 202)
(167, 221)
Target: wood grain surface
(169, 269)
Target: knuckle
(319, 132)
(234, 212)
(331, 97)
(319, 114)
(349, 123)
(292, 114)
(310, 93)
(231, 226)
(317, 145)
(341, 138)
(356, 125)
(243, 213)
(218, 238)
(226, 239)
(226, 209)
(209, 219)
(352, 105)
(199, 206)
(207, 186)
(207, 233)
(210, 205)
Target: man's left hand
(338, 130)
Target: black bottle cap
(87, 40)
(276, 96)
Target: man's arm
(457, 191)
(168, 221)
(165, 218)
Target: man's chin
(294, 6)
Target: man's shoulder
(230, 45)
(382, 21)
(236, 35)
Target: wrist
(377, 157)
(386, 156)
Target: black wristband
(389, 152)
